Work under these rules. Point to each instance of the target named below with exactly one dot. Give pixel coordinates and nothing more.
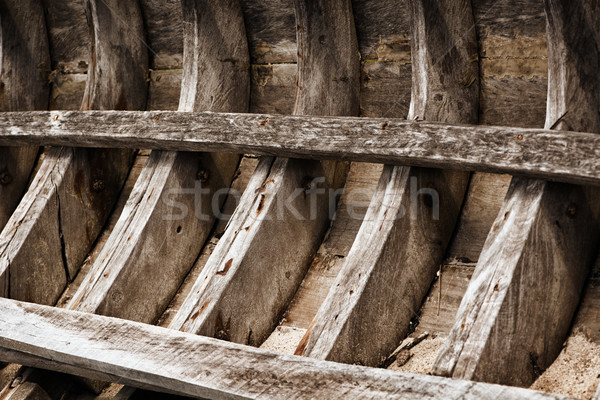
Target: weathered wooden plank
(554, 155)
(157, 358)
(24, 68)
(519, 306)
(276, 229)
(60, 216)
(412, 215)
(171, 210)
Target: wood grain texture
(156, 358)
(519, 306)
(24, 68)
(60, 216)
(403, 238)
(566, 156)
(278, 225)
(172, 207)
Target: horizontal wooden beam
(157, 358)
(572, 157)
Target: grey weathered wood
(555, 155)
(520, 303)
(403, 238)
(24, 68)
(60, 216)
(171, 210)
(261, 259)
(156, 358)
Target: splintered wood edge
(554, 155)
(374, 288)
(146, 356)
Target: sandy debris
(576, 371)
(419, 359)
(284, 339)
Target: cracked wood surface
(519, 306)
(412, 215)
(565, 156)
(24, 68)
(278, 225)
(156, 358)
(60, 216)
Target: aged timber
(555, 155)
(413, 212)
(156, 358)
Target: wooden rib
(25, 59)
(519, 305)
(157, 358)
(258, 264)
(402, 240)
(541, 153)
(59, 218)
(170, 211)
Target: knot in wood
(98, 185)
(5, 177)
(203, 175)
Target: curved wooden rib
(59, 218)
(171, 210)
(519, 305)
(413, 212)
(25, 63)
(258, 264)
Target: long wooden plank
(276, 229)
(60, 216)
(543, 153)
(171, 210)
(412, 215)
(157, 358)
(24, 68)
(520, 303)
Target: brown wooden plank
(519, 306)
(60, 216)
(275, 231)
(403, 239)
(555, 155)
(192, 365)
(24, 68)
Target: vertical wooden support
(412, 215)
(175, 200)
(521, 300)
(261, 259)
(24, 67)
(59, 218)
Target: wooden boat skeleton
(96, 252)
